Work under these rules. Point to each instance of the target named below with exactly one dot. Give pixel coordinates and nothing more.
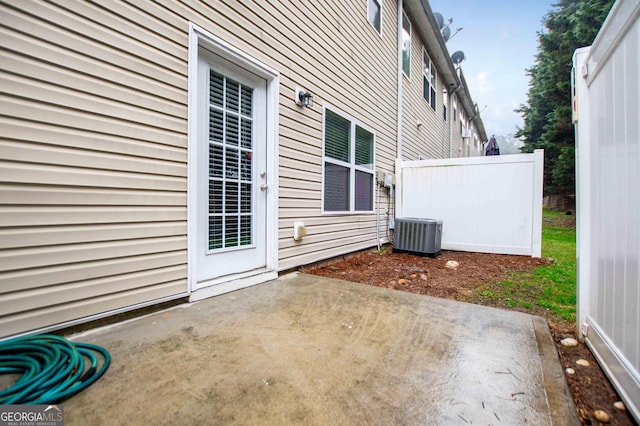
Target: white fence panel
(607, 118)
(487, 204)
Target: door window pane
(232, 132)
(245, 230)
(215, 232)
(215, 196)
(246, 100)
(231, 231)
(216, 89)
(232, 95)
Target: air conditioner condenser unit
(418, 236)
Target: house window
(445, 102)
(428, 79)
(348, 165)
(406, 45)
(375, 14)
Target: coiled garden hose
(52, 368)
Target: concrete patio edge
(561, 405)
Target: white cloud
(500, 119)
(505, 33)
(480, 84)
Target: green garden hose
(52, 368)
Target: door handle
(263, 187)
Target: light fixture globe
(303, 98)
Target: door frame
(200, 38)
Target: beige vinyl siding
(92, 164)
(476, 150)
(456, 137)
(93, 173)
(347, 73)
(431, 138)
(459, 146)
(350, 80)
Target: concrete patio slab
(311, 350)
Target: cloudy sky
(499, 39)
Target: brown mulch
(400, 271)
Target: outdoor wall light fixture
(304, 98)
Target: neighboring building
(156, 150)
(439, 119)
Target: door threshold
(231, 283)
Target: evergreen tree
(547, 114)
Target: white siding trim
(400, 88)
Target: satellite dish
(439, 20)
(458, 57)
(446, 33)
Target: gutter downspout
(399, 118)
(469, 123)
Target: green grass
(552, 287)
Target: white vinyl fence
(607, 121)
(487, 204)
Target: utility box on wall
(418, 236)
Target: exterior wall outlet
(388, 180)
(299, 231)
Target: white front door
(231, 171)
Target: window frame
(430, 76)
(445, 103)
(351, 165)
(406, 71)
(379, 3)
